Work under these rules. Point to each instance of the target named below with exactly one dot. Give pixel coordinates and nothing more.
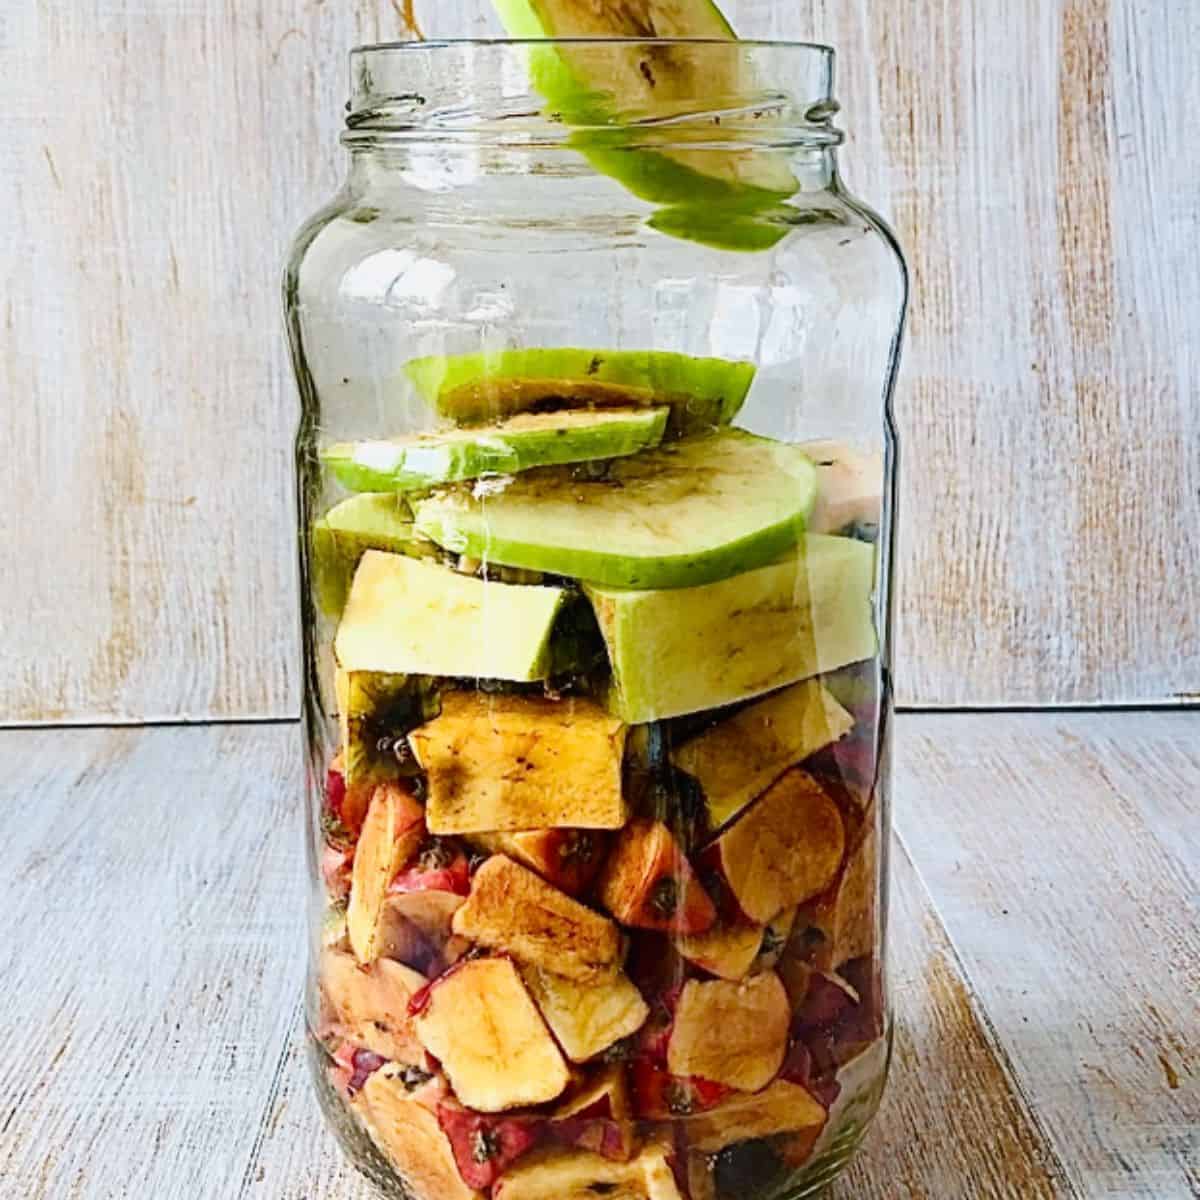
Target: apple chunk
(781, 1108)
(731, 1033)
(408, 1135)
(599, 1118)
(391, 833)
(478, 1020)
(560, 1174)
(570, 859)
(648, 883)
(371, 1003)
(587, 1018)
(484, 1145)
(786, 849)
(513, 910)
(741, 756)
(506, 762)
(728, 951)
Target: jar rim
(767, 92)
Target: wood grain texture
(150, 964)
(1062, 855)
(1037, 163)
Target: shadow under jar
(596, 468)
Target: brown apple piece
(507, 762)
(850, 488)
(409, 1137)
(513, 910)
(648, 883)
(598, 1118)
(479, 1021)
(731, 1033)
(786, 849)
(391, 833)
(588, 1017)
(372, 1003)
(569, 859)
(782, 1107)
(727, 951)
(562, 1174)
(840, 924)
(741, 756)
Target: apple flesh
(727, 951)
(391, 833)
(479, 1021)
(783, 1107)
(353, 1066)
(786, 849)
(649, 884)
(587, 1018)
(371, 1004)
(568, 859)
(440, 865)
(485, 1146)
(658, 1095)
(515, 911)
(731, 1033)
(410, 1138)
(557, 1173)
(599, 1118)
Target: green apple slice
(687, 513)
(340, 537)
(683, 650)
(407, 617)
(599, 85)
(702, 393)
(530, 439)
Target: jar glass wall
(596, 468)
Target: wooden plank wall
(1036, 157)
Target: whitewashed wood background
(1038, 158)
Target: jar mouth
(686, 92)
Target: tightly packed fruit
(601, 835)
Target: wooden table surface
(1045, 956)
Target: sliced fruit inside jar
(785, 849)
(510, 909)
(741, 756)
(587, 1018)
(371, 1003)
(479, 1022)
(347, 531)
(782, 1107)
(568, 1174)
(598, 1117)
(648, 883)
(701, 393)
(375, 712)
(410, 1138)
(849, 495)
(727, 950)
(734, 1033)
(497, 763)
(568, 859)
(391, 834)
(685, 650)
(538, 439)
(688, 513)
(409, 617)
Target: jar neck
(384, 167)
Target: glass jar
(596, 468)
